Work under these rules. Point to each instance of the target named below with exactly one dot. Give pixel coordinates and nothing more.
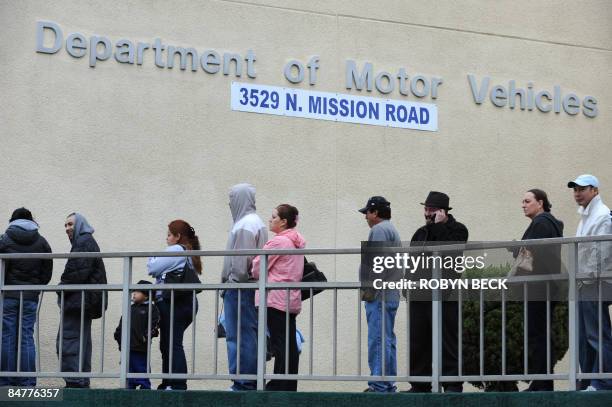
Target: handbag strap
(188, 261)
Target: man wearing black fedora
(440, 228)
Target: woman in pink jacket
(283, 268)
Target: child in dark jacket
(139, 335)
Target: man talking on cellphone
(440, 228)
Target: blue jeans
(10, 335)
(248, 335)
(588, 323)
(138, 364)
(374, 318)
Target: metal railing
(437, 378)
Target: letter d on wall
(40, 37)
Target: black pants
(183, 316)
(536, 341)
(71, 351)
(420, 343)
(276, 325)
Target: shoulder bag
(311, 275)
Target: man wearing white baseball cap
(593, 258)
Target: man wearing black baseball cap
(378, 307)
(440, 228)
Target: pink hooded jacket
(283, 269)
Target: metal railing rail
(437, 377)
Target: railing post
(262, 323)
(216, 332)
(19, 332)
(436, 330)
(572, 308)
(125, 321)
(2, 270)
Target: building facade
(125, 112)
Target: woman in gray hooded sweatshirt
(79, 271)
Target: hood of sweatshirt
(81, 227)
(23, 231)
(241, 200)
(295, 237)
(555, 221)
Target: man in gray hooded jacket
(75, 351)
(248, 232)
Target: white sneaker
(590, 388)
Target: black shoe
(540, 385)
(417, 390)
(162, 385)
(76, 386)
(369, 390)
(582, 384)
(538, 389)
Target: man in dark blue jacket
(74, 348)
(22, 237)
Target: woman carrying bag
(287, 269)
(180, 237)
(544, 260)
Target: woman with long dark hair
(180, 237)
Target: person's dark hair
(384, 212)
(188, 238)
(289, 213)
(21, 213)
(541, 196)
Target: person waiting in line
(248, 232)
(180, 237)
(283, 269)
(546, 260)
(381, 305)
(594, 259)
(440, 228)
(139, 335)
(22, 236)
(79, 271)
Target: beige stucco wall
(133, 147)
